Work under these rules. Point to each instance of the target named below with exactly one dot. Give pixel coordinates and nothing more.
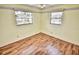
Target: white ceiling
(42, 5)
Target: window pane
(56, 21)
(20, 21)
(28, 15)
(30, 20)
(23, 17)
(56, 17)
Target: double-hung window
(56, 17)
(23, 17)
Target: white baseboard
(17, 39)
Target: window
(23, 17)
(56, 17)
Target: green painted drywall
(68, 30)
(61, 6)
(20, 7)
(9, 32)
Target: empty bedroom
(39, 29)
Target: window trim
(56, 19)
(19, 16)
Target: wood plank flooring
(40, 44)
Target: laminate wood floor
(40, 44)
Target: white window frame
(23, 17)
(56, 17)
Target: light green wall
(20, 7)
(68, 30)
(9, 32)
(61, 6)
